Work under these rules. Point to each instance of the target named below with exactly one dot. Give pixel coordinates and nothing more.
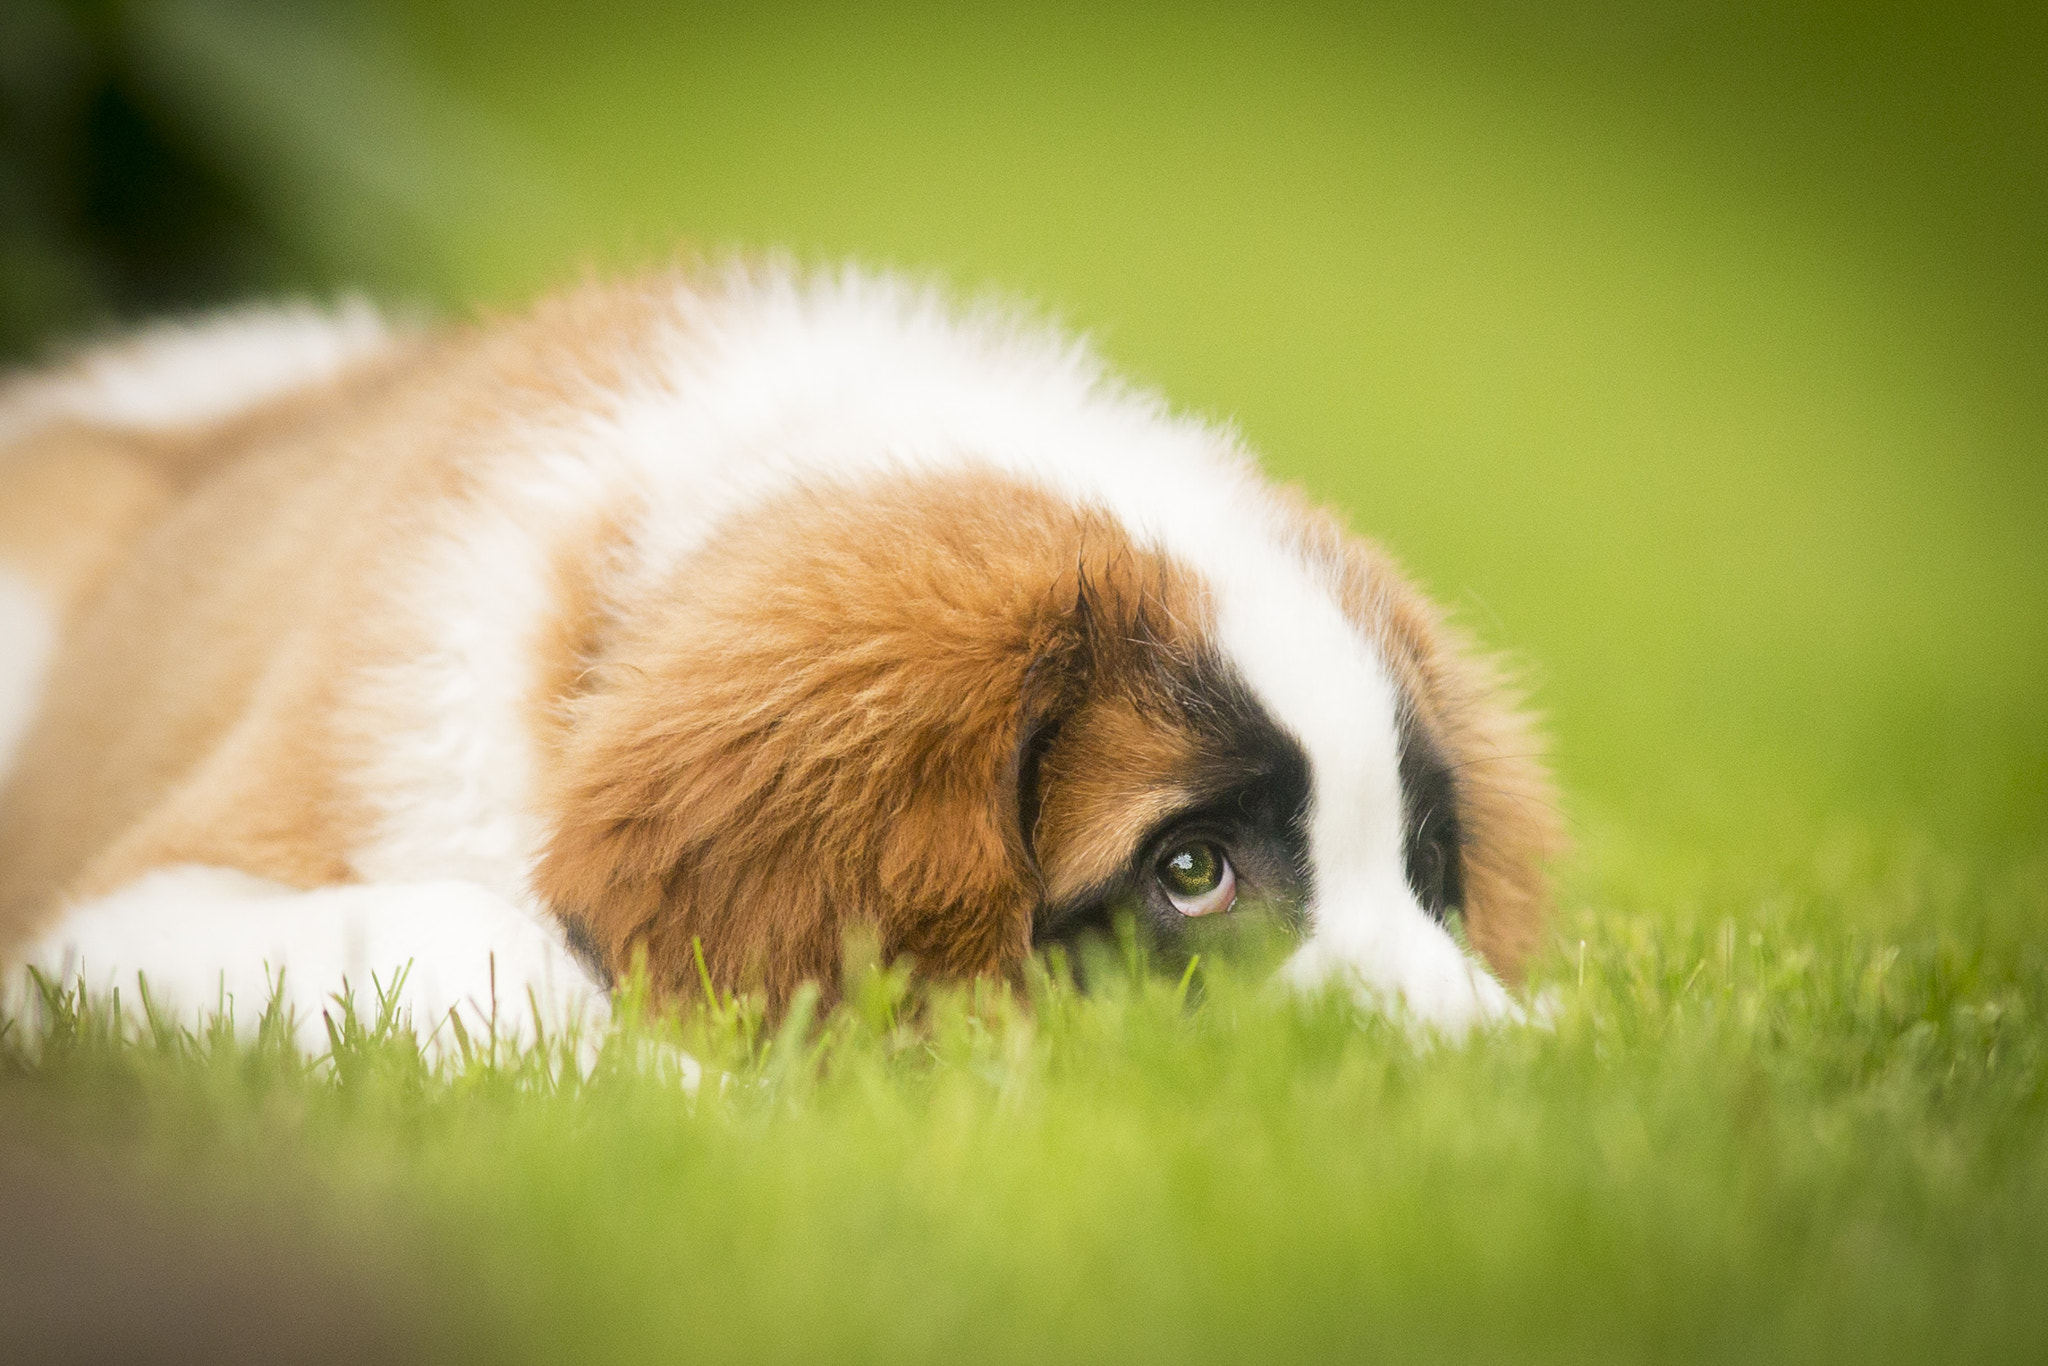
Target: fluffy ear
(832, 724)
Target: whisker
(1496, 759)
(1512, 795)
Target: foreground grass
(1799, 1112)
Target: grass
(1807, 1117)
(1696, 357)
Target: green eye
(1192, 869)
(1197, 878)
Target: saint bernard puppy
(702, 621)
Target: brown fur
(71, 501)
(1099, 807)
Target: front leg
(210, 940)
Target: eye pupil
(1192, 869)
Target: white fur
(455, 760)
(211, 941)
(28, 636)
(773, 381)
(184, 374)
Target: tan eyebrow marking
(1110, 778)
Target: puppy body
(727, 613)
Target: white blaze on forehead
(1324, 683)
(1321, 681)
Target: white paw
(1440, 988)
(455, 960)
(467, 965)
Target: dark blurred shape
(108, 211)
(91, 1271)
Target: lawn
(1695, 361)
(1803, 1118)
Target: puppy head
(967, 716)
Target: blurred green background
(1698, 354)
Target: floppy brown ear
(825, 729)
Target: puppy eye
(1198, 879)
